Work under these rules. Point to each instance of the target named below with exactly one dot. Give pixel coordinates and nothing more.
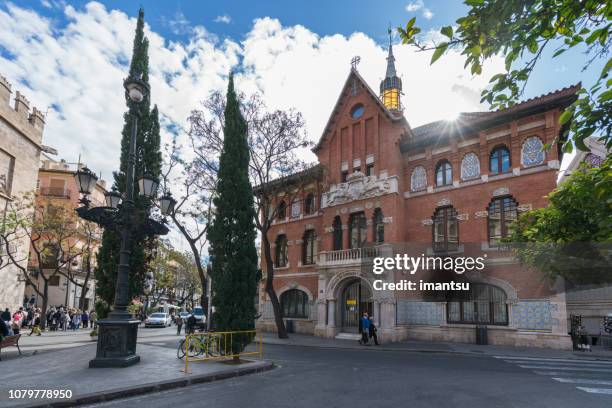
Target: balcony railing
(56, 192)
(348, 256)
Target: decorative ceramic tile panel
(532, 315)
(411, 312)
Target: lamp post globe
(167, 203)
(136, 89)
(113, 199)
(86, 180)
(147, 185)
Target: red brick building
(447, 188)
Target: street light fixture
(86, 180)
(147, 185)
(113, 199)
(118, 332)
(167, 203)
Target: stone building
(447, 189)
(56, 186)
(21, 132)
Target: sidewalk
(302, 340)
(159, 369)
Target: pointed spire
(390, 58)
(391, 86)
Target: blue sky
(70, 57)
(234, 18)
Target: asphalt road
(311, 377)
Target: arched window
(502, 212)
(445, 231)
(281, 211)
(282, 251)
(499, 161)
(309, 204)
(418, 180)
(483, 304)
(379, 226)
(533, 151)
(444, 173)
(357, 230)
(470, 167)
(294, 303)
(337, 233)
(309, 248)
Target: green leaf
(438, 52)
(447, 31)
(474, 3)
(565, 117)
(559, 52)
(410, 23)
(607, 68)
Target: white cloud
(179, 25)
(77, 70)
(225, 19)
(419, 5)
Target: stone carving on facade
(358, 187)
(387, 220)
(427, 222)
(501, 191)
(463, 217)
(329, 229)
(481, 214)
(524, 207)
(444, 202)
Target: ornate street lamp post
(118, 332)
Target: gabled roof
(355, 74)
(469, 122)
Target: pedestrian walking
(93, 317)
(36, 325)
(191, 323)
(372, 331)
(365, 329)
(76, 321)
(179, 325)
(85, 319)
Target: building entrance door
(356, 300)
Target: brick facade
(369, 160)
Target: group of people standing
(368, 330)
(56, 318)
(64, 319)
(22, 319)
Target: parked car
(184, 316)
(198, 312)
(158, 319)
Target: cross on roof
(355, 61)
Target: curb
(141, 389)
(433, 351)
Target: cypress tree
(148, 158)
(232, 231)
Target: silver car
(158, 319)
